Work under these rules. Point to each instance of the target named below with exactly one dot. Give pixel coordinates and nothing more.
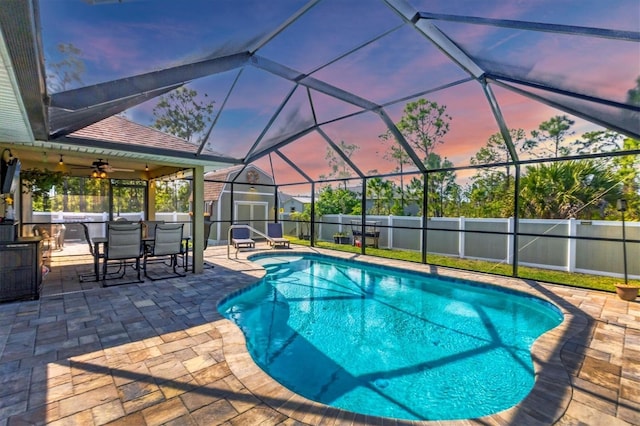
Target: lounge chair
(241, 238)
(274, 232)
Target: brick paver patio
(158, 353)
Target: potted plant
(341, 238)
(627, 292)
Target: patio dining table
(101, 243)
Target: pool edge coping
(545, 353)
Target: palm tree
(562, 190)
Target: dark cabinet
(20, 269)
(8, 230)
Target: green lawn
(594, 282)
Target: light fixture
(103, 174)
(622, 207)
(94, 174)
(146, 167)
(7, 155)
(61, 162)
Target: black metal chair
(95, 276)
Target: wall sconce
(7, 155)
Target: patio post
(197, 220)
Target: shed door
(252, 213)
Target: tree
(628, 173)
(336, 201)
(496, 151)
(339, 168)
(489, 194)
(441, 185)
(424, 125)
(565, 189)
(381, 192)
(397, 154)
(414, 193)
(633, 95)
(61, 75)
(551, 132)
(173, 196)
(181, 114)
(598, 141)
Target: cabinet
(8, 230)
(20, 269)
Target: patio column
(197, 220)
(151, 195)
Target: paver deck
(159, 353)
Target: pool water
(384, 342)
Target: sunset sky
(395, 63)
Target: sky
(359, 46)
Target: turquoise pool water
(385, 342)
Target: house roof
(118, 129)
(212, 190)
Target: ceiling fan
(101, 167)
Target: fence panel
(539, 250)
(486, 246)
(443, 242)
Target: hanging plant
(39, 182)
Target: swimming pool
(385, 342)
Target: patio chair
(124, 242)
(241, 238)
(149, 228)
(206, 234)
(96, 257)
(166, 246)
(274, 232)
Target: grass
(594, 282)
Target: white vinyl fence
(99, 228)
(542, 251)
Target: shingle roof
(120, 130)
(212, 190)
